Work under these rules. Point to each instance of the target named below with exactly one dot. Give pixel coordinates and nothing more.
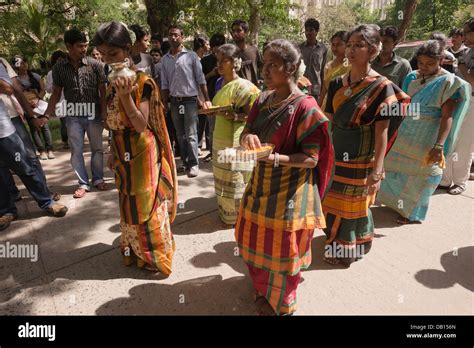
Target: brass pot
(121, 69)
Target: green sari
(230, 179)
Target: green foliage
(432, 15)
(35, 28)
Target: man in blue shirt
(181, 80)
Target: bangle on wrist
(377, 176)
(276, 161)
(438, 146)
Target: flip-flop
(404, 221)
(332, 260)
(456, 190)
(101, 186)
(79, 193)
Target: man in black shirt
(209, 68)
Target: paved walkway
(415, 269)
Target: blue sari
(409, 180)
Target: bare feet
(263, 307)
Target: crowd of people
(366, 126)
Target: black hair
(200, 41)
(340, 34)
(470, 24)
(217, 40)
(440, 37)
(390, 32)
(157, 37)
(57, 55)
(312, 23)
(165, 47)
(140, 32)
(370, 33)
(174, 26)
(431, 48)
(90, 49)
(288, 52)
(242, 23)
(33, 81)
(113, 34)
(156, 50)
(73, 36)
(456, 32)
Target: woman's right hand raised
(251, 141)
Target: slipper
(332, 260)
(101, 186)
(404, 221)
(79, 193)
(456, 190)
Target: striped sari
(409, 181)
(281, 206)
(330, 73)
(346, 206)
(145, 176)
(230, 179)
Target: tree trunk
(408, 12)
(254, 22)
(160, 15)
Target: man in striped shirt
(82, 79)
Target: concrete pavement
(414, 269)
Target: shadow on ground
(457, 266)
(212, 295)
(225, 253)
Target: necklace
(348, 92)
(272, 107)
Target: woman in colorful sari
(336, 67)
(230, 179)
(364, 127)
(142, 159)
(414, 167)
(281, 206)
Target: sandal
(332, 260)
(101, 186)
(404, 221)
(456, 190)
(79, 193)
